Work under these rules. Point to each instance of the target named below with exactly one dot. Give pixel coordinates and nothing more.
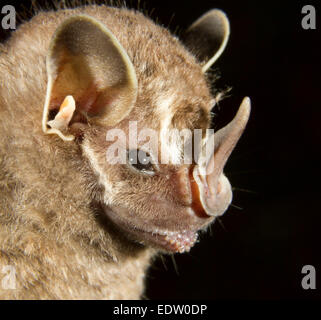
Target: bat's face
(145, 133)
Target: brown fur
(52, 227)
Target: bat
(107, 157)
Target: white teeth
(179, 241)
(164, 233)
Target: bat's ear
(91, 79)
(207, 37)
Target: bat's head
(142, 118)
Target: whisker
(244, 190)
(171, 20)
(164, 262)
(221, 223)
(234, 206)
(174, 263)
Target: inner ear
(87, 63)
(207, 37)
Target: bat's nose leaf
(225, 140)
(214, 188)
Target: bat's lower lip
(169, 241)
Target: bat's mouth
(179, 241)
(169, 241)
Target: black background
(258, 248)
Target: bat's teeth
(180, 241)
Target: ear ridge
(86, 61)
(207, 37)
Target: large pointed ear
(207, 37)
(90, 78)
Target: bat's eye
(141, 161)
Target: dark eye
(141, 161)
